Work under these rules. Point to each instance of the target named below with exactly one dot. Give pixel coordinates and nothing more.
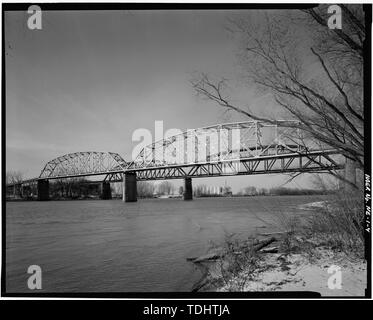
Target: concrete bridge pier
(130, 187)
(350, 174)
(25, 191)
(188, 189)
(17, 190)
(105, 191)
(43, 190)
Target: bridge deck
(315, 161)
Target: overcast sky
(88, 79)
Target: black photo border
(188, 295)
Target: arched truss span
(83, 164)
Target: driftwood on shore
(269, 250)
(206, 257)
(273, 233)
(257, 246)
(264, 243)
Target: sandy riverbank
(288, 262)
(289, 272)
(299, 272)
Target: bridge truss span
(241, 148)
(316, 161)
(232, 149)
(83, 164)
(226, 142)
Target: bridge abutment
(188, 189)
(43, 190)
(106, 191)
(130, 187)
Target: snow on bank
(297, 272)
(313, 205)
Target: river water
(111, 246)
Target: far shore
(119, 197)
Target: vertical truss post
(256, 136)
(276, 139)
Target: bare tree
(165, 187)
(145, 189)
(316, 80)
(13, 177)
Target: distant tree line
(280, 191)
(147, 189)
(203, 190)
(74, 188)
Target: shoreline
(290, 260)
(167, 198)
(281, 271)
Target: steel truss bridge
(241, 148)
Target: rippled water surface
(111, 246)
